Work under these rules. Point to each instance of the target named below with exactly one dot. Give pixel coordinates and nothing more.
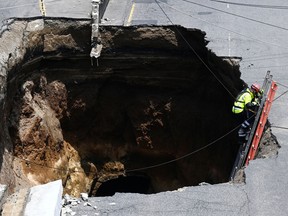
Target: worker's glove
(256, 102)
(260, 93)
(251, 105)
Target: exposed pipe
(95, 36)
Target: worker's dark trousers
(248, 119)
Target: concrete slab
(45, 200)
(184, 201)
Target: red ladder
(262, 122)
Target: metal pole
(95, 36)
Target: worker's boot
(242, 133)
(245, 127)
(247, 134)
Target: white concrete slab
(45, 200)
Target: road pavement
(254, 30)
(257, 32)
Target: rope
(195, 51)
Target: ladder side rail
(262, 123)
(266, 86)
(237, 163)
(243, 151)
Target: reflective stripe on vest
(237, 110)
(243, 98)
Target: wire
(191, 153)
(237, 15)
(253, 5)
(276, 55)
(195, 51)
(280, 127)
(229, 30)
(282, 85)
(271, 66)
(132, 170)
(186, 155)
(266, 58)
(160, 164)
(48, 167)
(204, 147)
(280, 95)
(260, 58)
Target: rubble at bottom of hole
(68, 203)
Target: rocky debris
(269, 145)
(239, 176)
(84, 196)
(70, 204)
(268, 148)
(56, 42)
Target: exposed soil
(150, 100)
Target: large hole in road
(134, 183)
(131, 122)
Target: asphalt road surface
(257, 31)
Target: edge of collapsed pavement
(44, 200)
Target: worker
(245, 107)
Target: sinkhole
(135, 120)
(126, 184)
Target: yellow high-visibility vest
(242, 99)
